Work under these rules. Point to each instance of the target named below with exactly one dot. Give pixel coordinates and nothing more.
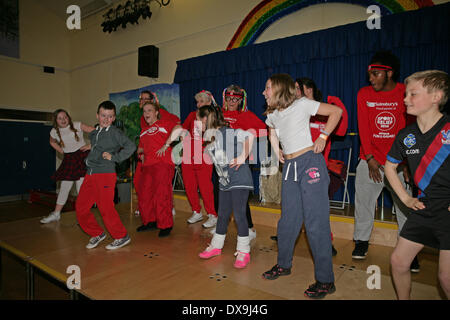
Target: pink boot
(210, 252)
(242, 259)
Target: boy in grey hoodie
(109, 145)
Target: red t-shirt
(153, 138)
(381, 115)
(318, 122)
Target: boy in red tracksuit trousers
(109, 145)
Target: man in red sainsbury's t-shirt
(381, 115)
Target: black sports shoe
(333, 251)
(415, 267)
(275, 272)
(274, 238)
(319, 290)
(360, 251)
(147, 227)
(164, 232)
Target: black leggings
(232, 202)
(216, 200)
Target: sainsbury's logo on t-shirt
(381, 104)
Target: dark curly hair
(387, 58)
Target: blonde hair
(205, 96)
(283, 92)
(432, 80)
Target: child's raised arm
(390, 170)
(334, 115)
(247, 147)
(273, 138)
(54, 143)
(86, 128)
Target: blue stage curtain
(335, 58)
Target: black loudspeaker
(49, 69)
(148, 61)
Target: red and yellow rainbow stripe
(267, 11)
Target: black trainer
(164, 232)
(319, 290)
(360, 251)
(147, 227)
(333, 251)
(275, 272)
(415, 267)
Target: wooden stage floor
(170, 269)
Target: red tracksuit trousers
(155, 197)
(198, 176)
(99, 188)
(137, 177)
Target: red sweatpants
(198, 176)
(99, 188)
(137, 176)
(155, 197)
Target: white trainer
(196, 217)
(94, 241)
(54, 216)
(119, 243)
(251, 234)
(211, 222)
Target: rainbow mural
(268, 11)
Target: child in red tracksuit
(146, 97)
(155, 198)
(196, 166)
(109, 145)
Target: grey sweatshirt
(113, 141)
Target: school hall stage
(170, 269)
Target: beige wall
(91, 64)
(181, 30)
(23, 84)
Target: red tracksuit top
(153, 138)
(381, 115)
(245, 120)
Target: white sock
(218, 241)
(243, 244)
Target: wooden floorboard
(170, 269)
